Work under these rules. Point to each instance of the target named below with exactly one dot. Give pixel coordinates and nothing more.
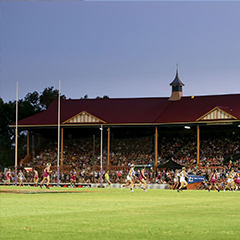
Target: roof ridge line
(168, 105)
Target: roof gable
(216, 114)
(84, 117)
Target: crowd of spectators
(83, 154)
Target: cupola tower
(176, 88)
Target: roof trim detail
(216, 114)
(84, 117)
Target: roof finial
(177, 68)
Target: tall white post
(101, 155)
(16, 136)
(58, 151)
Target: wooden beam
(28, 151)
(156, 146)
(108, 155)
(198, 144)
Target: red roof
(138, 110)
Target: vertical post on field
(58, 151)
(108, 146)
(198, 144)
(16, 137)
(156, 146)
(101, 155)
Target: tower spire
(176, 87)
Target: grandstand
(192, 130)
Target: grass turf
(118, 214)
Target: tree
(85, 97)
(47, 96)
(104, 97)
(34, 100)
(7, 113)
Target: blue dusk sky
(119, 48)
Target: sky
(119, 48)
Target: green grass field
(118, 214)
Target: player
(237, 179)
(130, 177)
(21, 177)
(73, 178)
(46, 174)
(183, 177)
(9, 176)
(230, 181)
(106, 176)
(176, 180)
(142, 179)
(35, 177)
(204, 185)
(213, 181)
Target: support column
(198, 144)
(28, 151)
(108, 155)
(61, 146)
(38, 141)
(156, 145)
(33, 147)
(94, 151)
